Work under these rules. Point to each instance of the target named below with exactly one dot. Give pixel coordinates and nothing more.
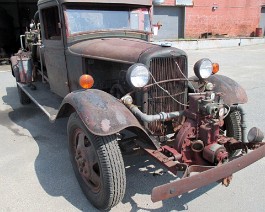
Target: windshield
(80, 21)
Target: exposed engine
(199, 140)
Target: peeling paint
(105, 125)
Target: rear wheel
(97, 163)
(23, 98)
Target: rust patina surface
(114, 49)
(101, 113)
(209, 176)
(233, 92)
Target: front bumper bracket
(206, 177)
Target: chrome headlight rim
(138, 75)
(203, 68)
(221, 112)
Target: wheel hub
(87, 161)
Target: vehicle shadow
(143, 174)
(54, 171)
(52, 165)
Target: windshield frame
(111, 32)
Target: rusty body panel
(233, 93)
(209, 176)
(112, 49)
(101, 113)
(56, 67)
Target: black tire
(23, 98)
(98, 164)
(233, 128)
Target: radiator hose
(151, 118)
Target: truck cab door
(53, 47)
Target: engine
(199, 140)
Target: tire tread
(111, 167)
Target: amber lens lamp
(215, 68)
(86, 81)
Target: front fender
(233, 93)
(101, 113)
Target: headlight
(203, 68)
(221, 112)
(138, 75)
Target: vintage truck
(91, 61)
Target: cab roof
(132, 2)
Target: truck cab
(70, 28)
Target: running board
(43, 97)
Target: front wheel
(97, 163)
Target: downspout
(184, 24)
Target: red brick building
(231, 17)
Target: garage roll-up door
(172, 20)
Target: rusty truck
(92, 61)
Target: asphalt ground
(36, 174)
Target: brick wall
(170, 2)
(232, 17)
